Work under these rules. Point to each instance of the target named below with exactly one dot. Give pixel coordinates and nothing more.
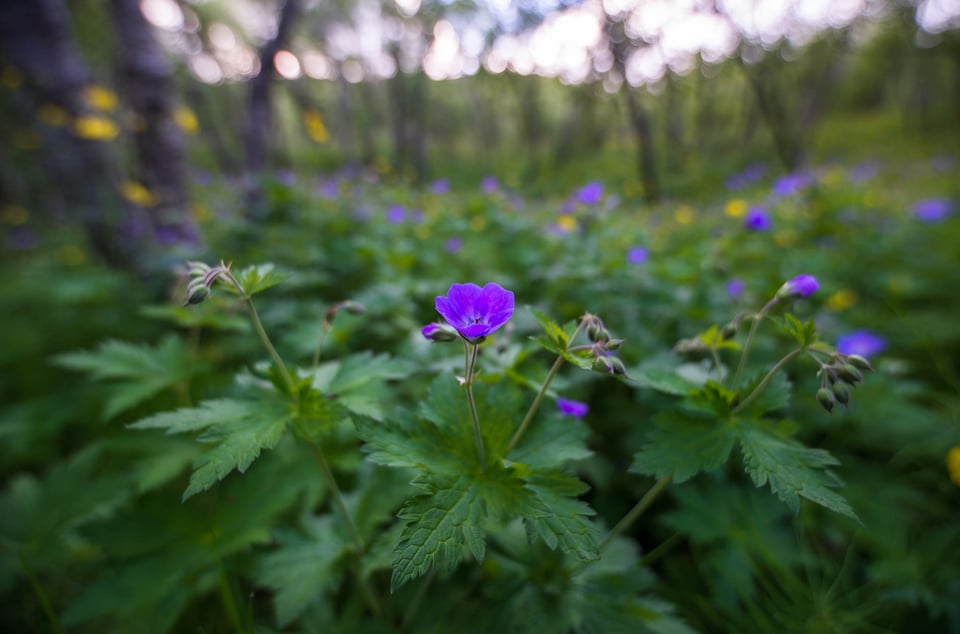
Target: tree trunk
(35, 39)
(259, 115)
(782, 126)
(146, 79)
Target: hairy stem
(755, 323)
(365, 590)
(757, 391)
(258, 325)
(534, 406)
(468, 387)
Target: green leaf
(580, 358)
(791, 470)
(443, 526)
(682, 445)
(137, 372)
(240, 429)
(554, 332)
(805, 333)
(257, 278)
(551, 442)
(666, 380)
(358, 381)
(302, 569)
(567, 527)
(713, 338)
(775, 396)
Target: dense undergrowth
(171, 467)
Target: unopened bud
(196, 296)
(826, 399)
(614, 344)
(850, 374)
(842, 392)
(859, 362)
(439, 333)
(729, 331)
(352, 307)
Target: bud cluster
(840, 374)
(202, 278)
(603, 346)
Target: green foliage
(136, 373)
(258, 278)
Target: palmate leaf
(792, 470)
(556, 339)
(683, 445)
(551, 442)
(137, 372)
(240, 429)
(357, 381)
(567, 526)
(257, 278)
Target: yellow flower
(53, 115)
(953, 464)
(478, 223)
(137, 194)
(315, 126)
(684, 215)
(14, 215)
(202, 212)
(100, 98)
(842, 300)
(736, 208)
(95, 128)
(187, 121)
(72, 255)
(567, 223)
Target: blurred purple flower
(864, 171)
(735, 287)
(748, 176)
(802, 286)
(490, 184)
(287, 176)
(791, 184)
(757, 219)
(476, 312)
(572, 408)
(329, 189)
(441, 186)
(568, 207)
(22, 238)
(861, 342)
(417, 215)
(932, 209)
(396, 214)
(454, 244)
(168, 236)
(591, 193)
(637, 255)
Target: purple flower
(454, 244)
(490, 184)
(735, 287)
(329, 189)
(396, 214)
(932, 209)
(441, 186)
(757, 219)
(572, 408)
(864, 171)
(591, 193)
(476, 312)
(747, 177)
(791, 184)
(861, 342)
(438, 332)
(637, 255)
(801, 286)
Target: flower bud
(800, 286)
(614, 344)
(850, 374)
(729, 331)
(196, 296)
(352, 307)
(439, 332)
(842, 392)
(826, 399)
(859, 362)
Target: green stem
(534, 406)
(42, 597)
(258, 325)
(365, 590)
(757, 391)
(226, 597)
(468, 387)
(638, 510)
(753, 330)
(316, 353)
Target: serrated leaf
(805, 333)
(713, 338)
(567, 527)
(188, 419)
(237, 445)
(301, 569)
(581, 358)
(317, 415)
(682, 445)
(258, 278)
(552, 441)
(137, 372)
(792, 470)
(775, 396)
(358, 381)
(666, 380)
(443, 526)
(554, 332)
